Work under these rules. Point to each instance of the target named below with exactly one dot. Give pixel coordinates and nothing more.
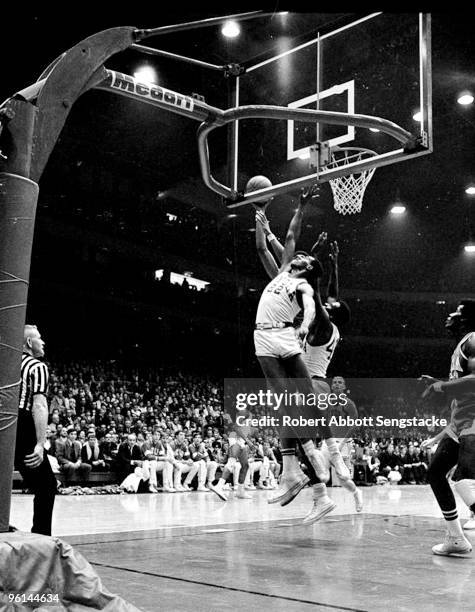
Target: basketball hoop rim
(356, 150)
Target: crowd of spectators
(107, 418)
(394, 460)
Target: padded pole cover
(18, 197)
(36, 564)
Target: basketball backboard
(378, 65)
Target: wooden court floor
(193, 552)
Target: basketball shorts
(278, 343)
(466, 458)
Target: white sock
(308, 447)
(349, 485)
(290, 464)
(332, 445)
(319, 491)
(454, 528)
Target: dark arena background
(144, 284)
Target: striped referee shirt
(34, 379)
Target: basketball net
(348, 191)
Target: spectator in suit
(414, 469)
(59, 402)
(91, 453)
(109, 449)
(391, 463)
(54, 422)
(373, 465)
(129, 456)
(68, 454)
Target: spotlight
(373, 130)
(146, 74)
(417, 116)
(469, 248)
(398, 209)
(470, 190)
(230, 29)
(465, 99)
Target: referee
(30, 457)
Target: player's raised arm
(277, 247)
(267, 260)
(308, 304)
(295, 227)
(333, 289)
(319, 246)
(321, 326)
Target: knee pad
(466, 489)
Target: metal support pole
(31, 123)
(193, 25)
(181, 58)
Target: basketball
(258, 182)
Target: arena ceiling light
(469, 248)
(146, 73)
(417, 116)
(398, 209)
(373, 130)
(231, 29)
(465, 99)
(470, 190)
(177, 279)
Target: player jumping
(318, 348)
(456, 443)
(277, 347)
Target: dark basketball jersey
(463, 408)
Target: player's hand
(264, 221)
(309, 193)
(427, 443)
(302, 332)
(427, 380)
(432, 389)
(261, 207)
(36, 458)
(318, 247)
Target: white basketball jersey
(317, 358)
(278, 301)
